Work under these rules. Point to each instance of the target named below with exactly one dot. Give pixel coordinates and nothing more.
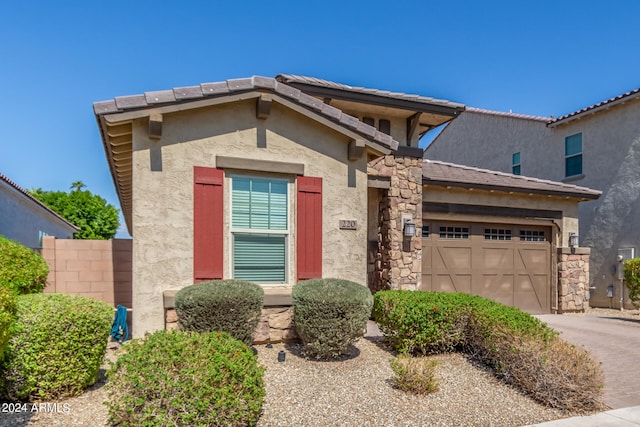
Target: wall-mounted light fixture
(409, 229)
(574, 240)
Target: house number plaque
(348, 224)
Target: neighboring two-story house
(597, 147)
(277, 180)
(25, 219)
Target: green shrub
(7, 314)
(330, 315)
(232, 306)
(21, 269)
(185, 379)
(420, 322)
(415, 375)
(520, 348)
(632, 279)
(56, 347)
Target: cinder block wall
(99, 269)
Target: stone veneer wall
(275, 325)
(399, 260)
(573, 279)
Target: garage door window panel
(454, 232)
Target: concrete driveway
(615, 341)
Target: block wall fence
(98, 269)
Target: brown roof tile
(627, 96)
(509, 114)
(186, 94)
(292, 79)
(449, 174)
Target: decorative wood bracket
(412, 126)
(356, 149)
(155, 126)
(263, 106)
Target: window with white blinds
(259, 227)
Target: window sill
(573, 178)
(277, 297)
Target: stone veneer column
(573, 279)
(399, 263)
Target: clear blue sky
(57, 58)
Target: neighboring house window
(515, 163)
(259, 228)
(41, 234)
(573, 155)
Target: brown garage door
(506, 263)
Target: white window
(259, 228)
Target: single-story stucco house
(25, 219)
(277, 180)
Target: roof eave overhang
(113, 119)
(511, 189)
(589, 111)
(124, 202)
(367, 98)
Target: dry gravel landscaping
(355, 391)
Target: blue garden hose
(120, 329)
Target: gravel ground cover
(355, 391)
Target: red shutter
(309, 232)
(207, 223)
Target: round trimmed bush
(330, 315)
(232, 306)
(21, 269)
(186, 379)
(7, 313)
(56, 347)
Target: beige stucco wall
(21, 219)
(163, 197)
(569, 207)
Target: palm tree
(77, 185)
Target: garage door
(507, 263)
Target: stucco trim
(495, 211)
(383, 182)
(428, 216)
(225, 162)
(574, 251)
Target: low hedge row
(521, 349)
(22, 270)
(7, 314)
(56, 347)
(185, 379)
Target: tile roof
(228, 87)
(292, 79)
(443, 173)
(627, 96)
(509, 114)
(24, 192)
